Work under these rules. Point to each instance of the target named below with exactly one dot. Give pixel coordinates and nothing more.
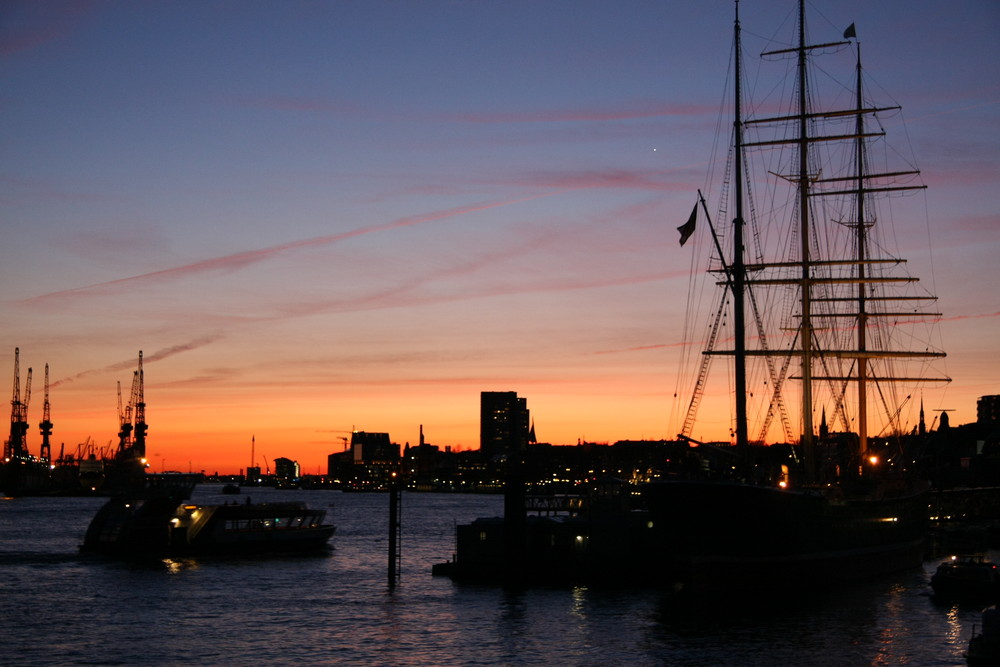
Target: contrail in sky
(131, 363)
(243, 259)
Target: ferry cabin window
(253, 524)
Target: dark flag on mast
(687, 229)
(850, 32)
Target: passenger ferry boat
(159, 521)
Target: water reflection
(179, 565)
(336, 609)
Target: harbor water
(61, 608)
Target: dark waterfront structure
(598, 535)
(504, 423)
(373, 448)
(286, 471)
(967, 455)
(368, 465)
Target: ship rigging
(828, 297)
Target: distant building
(369, 465)
(286, 469)
(504, 423)
(988, 410)
(373, 448)
(338, 465)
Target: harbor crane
(16, 448)
(45, 427)
(139, 405)
(124, 422)
(132, 418)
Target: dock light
(783, 484)
(873, 460)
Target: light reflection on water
(338, 607)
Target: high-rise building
(503, 423)
(988, 409)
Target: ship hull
(725, 535)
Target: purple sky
(319, 216)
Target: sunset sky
(314, 217)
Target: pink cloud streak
(234, 262)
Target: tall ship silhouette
(815, 309)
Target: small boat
(231, 489)
(984, 647)
(966, 579)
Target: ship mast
(862, 361)
(805, 333)
(739, 264)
